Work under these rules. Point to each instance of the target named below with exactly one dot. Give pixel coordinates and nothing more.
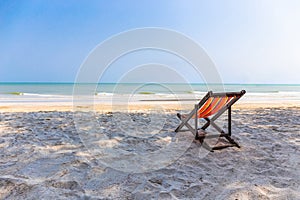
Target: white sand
(42, 157)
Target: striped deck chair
(212, 106)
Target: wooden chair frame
(235, 96)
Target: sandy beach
(158, 100)
(43, 156)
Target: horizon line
(66, 82)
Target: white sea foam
(104, 94)
(41, 95)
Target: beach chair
(210, 108)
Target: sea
(26, 92)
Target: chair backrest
(214, 102)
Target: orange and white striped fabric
(212, 106)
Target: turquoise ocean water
(108, 92)
(66, 89)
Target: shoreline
(132, 106)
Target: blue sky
(250, 41)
